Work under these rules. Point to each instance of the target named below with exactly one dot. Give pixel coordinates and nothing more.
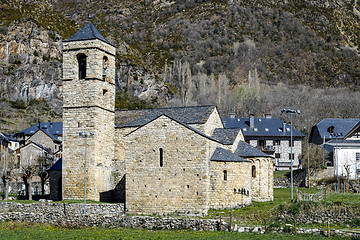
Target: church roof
(226, 136)
(87, 32)
(246, 150)
(186, 115)
(221, 154)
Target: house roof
(223, 155)
(3, 137)
(270, 127)
(41, 147)
(57, 166)
(246, 150)
(53, 129)
(226, 136)
(87, 32)
(186, 115)
(341, 127)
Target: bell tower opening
(81, 58)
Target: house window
(277, 155)
(82, 65)
(104, 91)
(253, 171)
(247, 141)
(358, 156)
(331, 129)
(276, 142)
(161, 157)
(291, 155)
(261, 143)
(225, 175)
(291, 144)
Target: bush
(19, 104)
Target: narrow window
(104, 91)
(291, 156)
(161, 157)
(105, 66)
(253, 171)
(82, 65)
(291, 144)
(225, 175)
(358, 156)
(277, 155)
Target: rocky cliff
(30, 63)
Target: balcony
(267, 149)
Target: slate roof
(226, 136)
(246, 150)
(38, 145)
(334, 142)
(57, 166)
(87, 32)
(187, 126)
(221, 154)
(186, 115)
(269, 127)
(53, 129)
(4, 137)
(341, 127)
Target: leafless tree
(8, 164)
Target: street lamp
(291, 112)
(337, 136)
(85, 135)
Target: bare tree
(316, 154)
(44, 162)
(8, 164)
(28, 171)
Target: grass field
(14, 231)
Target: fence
(328, 191)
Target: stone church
(166, 160)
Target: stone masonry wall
(42, 138)
(235, 191)
(181, 184)
(262, 183)
(214, 121)
(88, 106)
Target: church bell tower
(88, 114)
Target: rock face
(30, 66)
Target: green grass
(344, 198)
(281, 174)
(15, 230)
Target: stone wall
(178, 184)
(262, 182)
(88, 106)
(232, 190)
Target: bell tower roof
(87, 32)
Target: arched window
(225, 175)
(81, 58)
(253, 171)
(161, 157)
(105, 66)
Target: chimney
(252, 121)
(284, 127)
(232, 115)
(268, 115)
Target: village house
(341, 139)
(272, 136)
(167, 160)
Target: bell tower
(88, 114)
